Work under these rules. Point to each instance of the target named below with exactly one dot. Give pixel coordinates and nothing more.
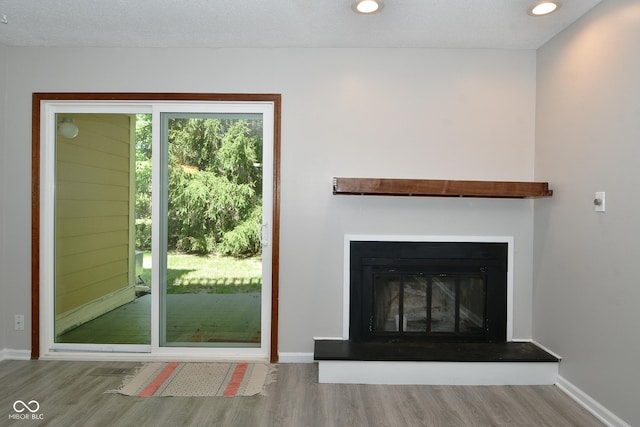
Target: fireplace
(429, 310)
(427, 291)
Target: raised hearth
(431, 352)
(510, 363)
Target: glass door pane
(386, 303)
(211, 267)
(415, 303)
(472, 304)
(443, 304)
(97, 293)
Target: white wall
(411, 113)
(5, 320)
(586, 281)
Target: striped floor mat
(198, 379)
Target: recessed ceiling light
(543, 8)
(367, 6)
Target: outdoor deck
(191, 318)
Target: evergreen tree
(214, 185)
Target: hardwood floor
(73, 394)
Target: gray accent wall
(586, 278)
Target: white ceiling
(502, 24)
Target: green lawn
(211, 274)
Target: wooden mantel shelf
(440, 188)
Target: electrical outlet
(19, 322)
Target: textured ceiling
(502, 24)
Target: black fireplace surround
(428, 291)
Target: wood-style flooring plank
(76, 394)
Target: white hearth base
(437, 373)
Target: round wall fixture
(68, 128)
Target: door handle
(264, 235)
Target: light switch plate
(599, 201)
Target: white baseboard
(10, 354)
(590, 404)
(286, 357)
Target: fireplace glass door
(417, 304)
(428, 291)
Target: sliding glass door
(97, 297)
(156, 229)
(211, 255)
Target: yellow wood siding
(92, 210)
(89, 208)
